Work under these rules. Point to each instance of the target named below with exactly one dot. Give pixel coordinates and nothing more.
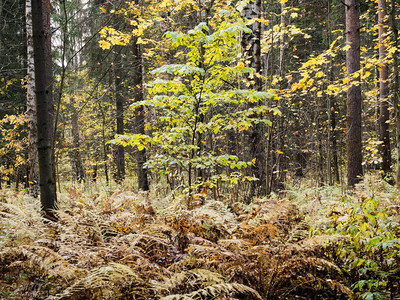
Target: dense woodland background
(109, 57)
(229, 149)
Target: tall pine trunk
(44, 103)
(354, 147)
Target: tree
(395, 87)
(32, 163)
(354, 147)
(143, 181)
(120, 105)
(251, 44)
(198, 103)
(384, 90)
(44, 104)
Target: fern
(112, 281)
(218, 290)
(187, 281)
(42, 260)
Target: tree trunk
(104, 142)
(143, 182)
(395, 88)
(76, 152)
(251, 43)
(354, 154)
(1, 31)
(44, 103)
(281, 174)
(119, 101)
(32, 162)
(334, 141)
(384, 90)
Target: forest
(199, 149)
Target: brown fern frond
(112, 281)
(218, 290)
(212, 253)
(299, 232)
(187, 281)
(236, 244)
(44, 260)
(156, 249)
(186, 262)
(306, 283)
(338, 287)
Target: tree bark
(76, 152)
(354, 147)
(384, 91)
(119, 102)
(44, 103)
(281, 158)
(143, 182)
(395, 87)
(251, 43)
(32, 163)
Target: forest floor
(309, 243)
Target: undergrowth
(313, 243)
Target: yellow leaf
(254, 160)
(319, 74)
(240, 65)
(346, 80)
(103, 10)
(367, 74)
(104, 45)
(294, 15)
(279, 152)
(347, 47)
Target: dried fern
(187, 281)
(112, 281)
(216, 291)
(42, 260)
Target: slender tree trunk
(384, 90)
(143, 182)
(33, 169)
(395, 87)
(281, 174)
(76, 151)
(1, 33)
(44, 103)
(334, 141)
(119, 99)
(354, 147)
(104, 142)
